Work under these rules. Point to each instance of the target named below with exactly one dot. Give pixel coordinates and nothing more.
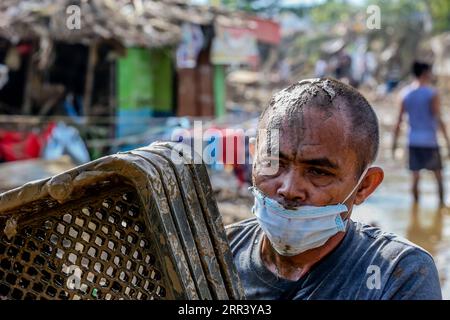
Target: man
(302, 243)
(421, 102)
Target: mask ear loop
(361, 178)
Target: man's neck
(295, 267)
(421, 82)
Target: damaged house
(106, 66)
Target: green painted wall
(135, 80)
(162, 83)
(144, 80)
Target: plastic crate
(133, 225)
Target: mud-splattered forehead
(330, 98)
(287, 105)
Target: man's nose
(292, 191)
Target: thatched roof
(145, 23)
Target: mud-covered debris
(10, 228)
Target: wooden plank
(187, 86)
(205, 91)
(90, 74)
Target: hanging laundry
(190, 46)
(66, 140)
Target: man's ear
(370, 183)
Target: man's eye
(319, 172)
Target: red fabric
(15, 145)
(24, 48)
(48, 131)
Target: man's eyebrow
(320, 162)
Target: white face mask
(294, 231)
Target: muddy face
(317, 165)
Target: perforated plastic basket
(133, 225)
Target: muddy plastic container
(137, 225)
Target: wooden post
(27, 103)
(89, 84)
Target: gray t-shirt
(367, 264)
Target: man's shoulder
(409, 270)
(241, 226)
(411, 89)
(387, 245)
(249, 222)
(241, 230)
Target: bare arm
(436, 109)
(397, 127)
